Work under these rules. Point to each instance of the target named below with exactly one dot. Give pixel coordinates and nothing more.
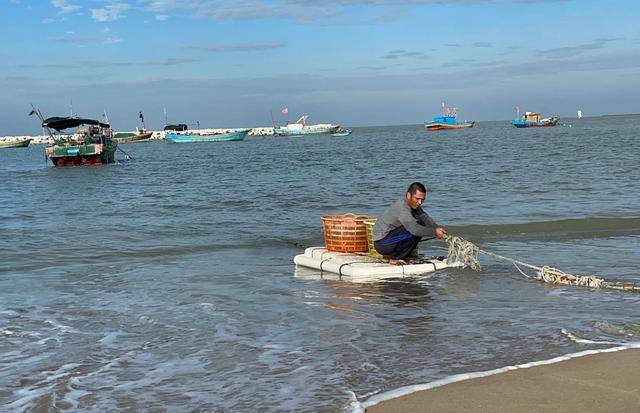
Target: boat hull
(82, 155)
(432, 126)
(341, 133)
(132, 137)
(17, 144)
(220, 137)
(525, 124)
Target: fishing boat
(533, 120)
(92, 144)
(139, 135)
(300, 127)
(18, 143)
(196, 136)
(341, 132)
(448, 121)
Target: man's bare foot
(397, 262)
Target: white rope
(466, 253)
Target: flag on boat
(285, 111)
(141, 117)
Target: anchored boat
(533, 120)
(196, 136)
(19, 143)
(448, 121)
(342, 132)
(137, 136)
(300, 127)
(92, 144)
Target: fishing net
(463, 252)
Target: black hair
(416, 186)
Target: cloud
(64, 7)
(400, 53)
(85, 41)
(81, 64)
(162, 17)
(246, 47)
(483, 44)
(111, 12)
(569, 51)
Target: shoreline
(157, 135)
(588, 381)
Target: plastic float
(349, 253)
(360, 267)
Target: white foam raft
(363, 267)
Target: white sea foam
(359, 407)
(581, 340)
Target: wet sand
(604, 382)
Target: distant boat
(93, 143)
(579, 114)
(447, 121)
(140, 134)
(137, 136)
(300, 127)
(20, 143)
(207, 137)
(533, 120)
(342, 132)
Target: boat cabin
(447, 119)
(531, 117)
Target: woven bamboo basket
(371, 247)
(345, 233)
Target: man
(402, 225)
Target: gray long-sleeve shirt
(416, 221)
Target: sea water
(166, 282)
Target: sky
(231, 63)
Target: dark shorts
(397, 244)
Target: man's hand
(440, 233)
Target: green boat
(21, 143)
(92, 144)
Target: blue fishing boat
(532, 120)
(195, 136)
(448, 121)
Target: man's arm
(415, 225)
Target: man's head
(415, 195)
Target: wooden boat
(195, 136)
(92, 144)
(532, 120)
(20, 143)
(300, 127)
(447, 121)
(137, 136)
(342, 132)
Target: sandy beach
(603, 382)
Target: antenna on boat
(71, 107)
(517, 108)
(165, 117)
(443, 106)
(272, 120)
(104, 116)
